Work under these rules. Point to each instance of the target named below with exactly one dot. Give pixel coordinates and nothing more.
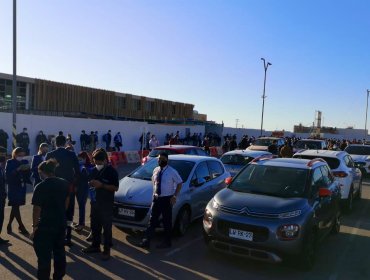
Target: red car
(173, 150)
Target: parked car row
(253, 204)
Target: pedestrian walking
(68, 169)
(36, 160)
(49, 202)
(117, 141)
(103, 183)
(2, 191)
(17, 172)
(167, 184)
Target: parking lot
(342, 256)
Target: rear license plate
(126, 212)
(241, 234)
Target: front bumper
(139, 221)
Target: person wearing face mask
(104, 180)
(68, 169)
(82, 191)
(2, 191)
(49, 200)
(17, 171)
(167, 184)
(36, 160)
(23, 141)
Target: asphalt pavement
(342, 256)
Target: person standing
(17, 172)
(107, 139)
(4, 139)
(40, 138)
(83, 140)
(286, 151)
(117, 141)
(153, 143)
(36, 160)
(92, 141)
(49, 201)
(23, 141)
(167, 185)
(68, 169)
(104, 183)
(2, 191)
(273, 148)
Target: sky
(205, 52)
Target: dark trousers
(2, 206)
(47, 244)
(101, 218)
(69, 214)
(81, 196)
(161, 206)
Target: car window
(156, 152)
(316, 180)
(235, 159)
(326, 175)
(271, 180)
(202, 172)
(358, 150)
(308, 145)
(215, 168)
(348, 161)
(332, 162)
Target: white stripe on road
(176, 250)
(205, 276)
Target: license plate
(241, 234)
(126, 212)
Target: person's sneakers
(68, 243)
(145, 243)
(105, 256)
(3, 241)
(164, 245)
(91, 249)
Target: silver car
(202, 178)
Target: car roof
(289, 162)
(193, 158)
(313, 140)
(176, 147)
(251, 153)
(273, 138)
(324, 153)
(357, 145)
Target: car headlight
(288, 232)
(215, 204)
(207, 219)
(290, 214)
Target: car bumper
(138, 221)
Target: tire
(308, 256)
(349, 202)
(336, 226)
(182, 221)
(359, 192)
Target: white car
(262, 143)
(361, 155)
(344, 170)
(309, 144)
(202, 177)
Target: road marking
(176, 250)
(205, 276)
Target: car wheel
(308, 255)
(349, 202)
(336, 226)
(359, 192)
(182, 221)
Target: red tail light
(340, 174)
(324, 192)
(144, 160)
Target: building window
(6, 92)
(136, 104)
(173, 109)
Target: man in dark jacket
(107, 139)
(40, 138)
(69, 169)
(23, 141)
(4, 139)
(2, 190)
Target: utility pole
(14, 89)
(367, 106)
(265, 66)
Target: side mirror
(323, 192)
(228, 180)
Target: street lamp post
(266, 66)
(14, 90)
(367, 106)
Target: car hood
(258, 148)
(360, 157)
(134, 191)
(259, 203)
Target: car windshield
(308, 145)
(236, 159)
(358, 150)
(156, 152)
(263, 142)
(332, 162)
(145, 172)
(271, 180)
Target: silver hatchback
(202, 178)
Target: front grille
(260, 234)
(140, 212)
(246, 212)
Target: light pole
(367, 106)
(14, 91)
(265, 65)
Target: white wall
(130, 130)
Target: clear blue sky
(205, 52)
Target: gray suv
(274, 209)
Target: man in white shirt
(167, 184)
(153, 143)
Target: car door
(200, 188)
(217, 182)
(356, 172)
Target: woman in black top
(50, 200)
